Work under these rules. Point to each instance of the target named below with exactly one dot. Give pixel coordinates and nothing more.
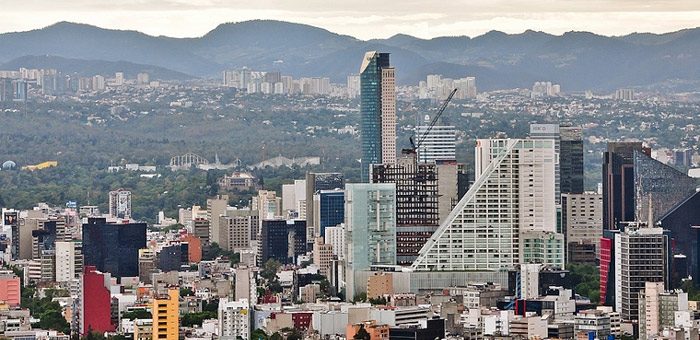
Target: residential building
(323, 256)
(378, 111)
(215, 208)
(10, 288)
(641, 255)
(234, 319)
(69, 260)
(165, 311)
(658, 307)
(120, 203)
(582, 225)
(515, 187)
(335, 236)
(95, 299)
(594, 322)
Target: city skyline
(177, 18)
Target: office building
(417, 204)
(657, 308)
(95, 299)
(514, 187)
(618, 183)
(681, 222)
(147, 264)
(120, 203)
(641, 255)
(329, 208)
(568, 145)
(170, 258)
(200, 227)
(216, 207)
(582, 225)
(282, 240)
(438, 144)
(113, 248)
(234, 319)
(316, 182)
(165, 312)
(378, 111)
(237, 228)
(370, 222)
(658, 188)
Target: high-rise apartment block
(641, 255)
(582, 225)
(657, 308)
(216, 207)
(165, 311)
(378, 111)
(234, 319)
(513, 195)
(120, 203)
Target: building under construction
(417, 202)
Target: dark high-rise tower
(618, 183)
(378, 111)
(571, 160)
(113, 248)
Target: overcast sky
(361, 18)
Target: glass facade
(371, 225)
(371, 109)
(331, 209)
(113, 248)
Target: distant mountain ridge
(576, 60)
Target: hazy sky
(362, 19)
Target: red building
(95, 314)
(606, 263)
(301, 320)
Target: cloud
(363, 19)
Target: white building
(514, 187)
(438, 144)
(68, 260)
(120, 203)
(335, 236)
(234, 319)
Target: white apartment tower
(234, 319)
(513, 195)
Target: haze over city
(321, 170)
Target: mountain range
(576, 60)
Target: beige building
(388, 115)
(582, 225)
(323, 255)
(216, 207)
(237, 228)
(380, 284)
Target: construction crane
(421, 139)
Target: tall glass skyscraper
(378, 111)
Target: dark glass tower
(571, 160)
(113, 248)
(371, 91)
(618, 183)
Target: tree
(186, 291)
(361, 297)
(258, 334)
(276, 336)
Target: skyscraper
(378, 111)
(439, 143)
(618, 183)
(568, 145)
(417, 204)
(370, 220)
(512, 197)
